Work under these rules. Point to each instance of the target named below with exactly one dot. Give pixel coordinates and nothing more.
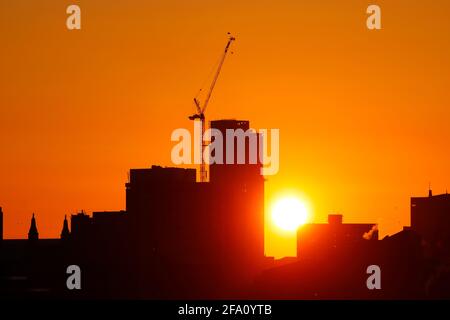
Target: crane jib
(200, 115)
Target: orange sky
(363, 115)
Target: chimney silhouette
(33, 233)
(335, 219)
(65, 233)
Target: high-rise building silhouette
(215, 228)
(430, 218)
(239, 191)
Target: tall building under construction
(200, 226)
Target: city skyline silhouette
(178, 238)
(357, 204)
(362, 113)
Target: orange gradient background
(363, 115)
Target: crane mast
(201, 108)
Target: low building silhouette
(317, 240)
(332, 263)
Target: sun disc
(289, 213)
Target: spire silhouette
(33, 233)
(65, 233)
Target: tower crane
(201, 108)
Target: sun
(289, 213)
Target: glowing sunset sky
(363, 115)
